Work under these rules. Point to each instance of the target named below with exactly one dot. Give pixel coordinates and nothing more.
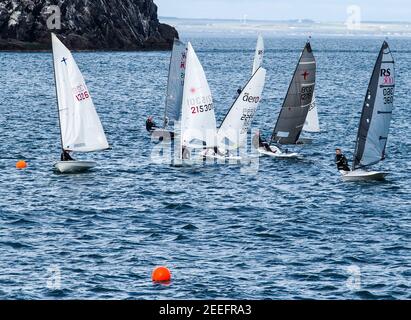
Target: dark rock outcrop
(85, 25)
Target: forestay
(198, 122)
(81, 129)
(175, 84)
(377, 112)
(298, 100)
(232, 133)
(259, 54)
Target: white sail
(81, 129)
(259, 54)
(232, 133)
(198, 122)
(312, 123)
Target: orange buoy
(21, 164)
(161, 274)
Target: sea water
(283, 229)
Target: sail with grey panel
(298, 100)
(175, 84)
(377, 112)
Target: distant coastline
(294, 27)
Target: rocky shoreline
(83, 25)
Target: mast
(57, 96)
(167, 91)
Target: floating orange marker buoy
(21, 164)
(161, 274)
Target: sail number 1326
(82, 96)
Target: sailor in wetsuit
(341, 161)
(258, 143)
(65, 156)
(150, 124)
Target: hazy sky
(319, 10)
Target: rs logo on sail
(385, 72)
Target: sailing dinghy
(232, 134)
(80, 126)
(198, 123)
(175, 87)
(375, 120)
(296, 105)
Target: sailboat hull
(361, 175)
(278, 153)
(74, 166)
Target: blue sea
(289, 230)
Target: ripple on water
(291, 230)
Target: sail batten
(80, 126)
(298, 100)
(376, 115)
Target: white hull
(278, 154)
(74, 166)
(361, 175)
